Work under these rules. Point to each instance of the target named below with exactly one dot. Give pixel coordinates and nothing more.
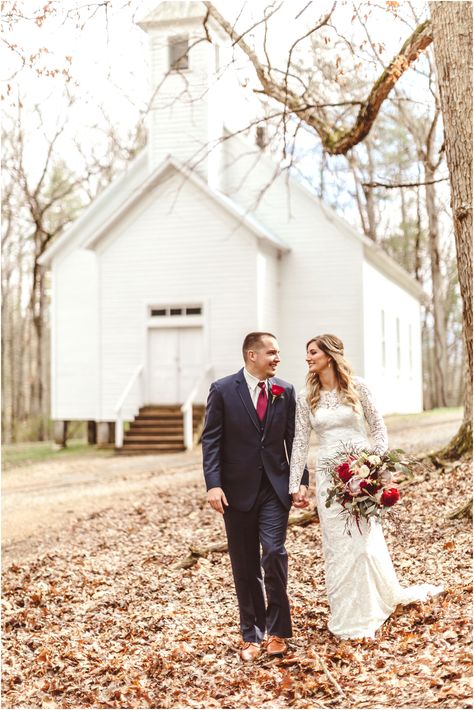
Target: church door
(175, 361)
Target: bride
(362, 586)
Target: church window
(382, 338)
(178, 48)
(410, 348)
(399, 350)
(167, 311)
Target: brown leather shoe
(250, 651)
(276, 646)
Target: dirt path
(39, 500)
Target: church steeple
(186, 113)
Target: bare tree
(452, 30)
(38, 205)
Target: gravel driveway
(39, 500)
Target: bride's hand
(300, 499)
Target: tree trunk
(452, 34)
(417, 255)
(369, 195)
(440, 354)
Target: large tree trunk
(452, 34)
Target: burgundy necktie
(262, 401)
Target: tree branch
(389, 186)
(336, 141)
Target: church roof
(113, 215)
(171, 12)
(373, 252)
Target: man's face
(263, 361)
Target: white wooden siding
(175, 246)
(268, 274)
(398, 389)
(75, 354)
(320, 279)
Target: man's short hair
(252, 341)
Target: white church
(156, 284)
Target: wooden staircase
(159, 430)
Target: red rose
(344, 472)
(277, 390)
(389, 497)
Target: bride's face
(317, 359)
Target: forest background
(75, 100)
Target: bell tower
(186, 111)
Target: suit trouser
(265, 524)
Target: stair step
(159, 429)
(160, 415)
(151, 409)
(154, 430)
(151, 447)
(140, 439)
(147, 452)
(165, 422)
(152, 421)
(160, 410)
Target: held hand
(216, 497)
(300, 499)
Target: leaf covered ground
(106, 618)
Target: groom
(247, 440)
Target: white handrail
(119, 406)
(187, 409)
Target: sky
(108, 51)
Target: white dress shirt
(254, 389)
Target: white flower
(364, 471)
(374, 460)
(354, 486)
(385, 478)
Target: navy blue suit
(249, 460)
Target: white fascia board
(376, 256)
(81, 223)
(161, 173)
(372, 251)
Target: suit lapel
(244, 394)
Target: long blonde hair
(333, 347)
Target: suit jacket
(236, 449)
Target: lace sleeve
(300, 448)
(377, 428)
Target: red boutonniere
(277, 391)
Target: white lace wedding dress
(362, 586)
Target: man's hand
(300, 499)
(216, 497)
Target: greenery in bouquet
(365, 483)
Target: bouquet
(364, 482)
